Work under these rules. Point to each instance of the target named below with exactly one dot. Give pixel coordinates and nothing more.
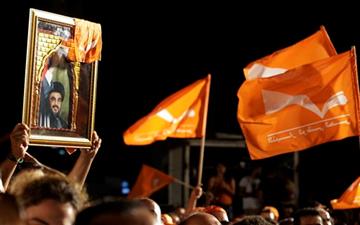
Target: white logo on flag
(275, 101)
(166, 115)
(260, 71)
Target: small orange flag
(306, 106)
(181, 115)
(149, 181)
(350, 199)
(315, 47)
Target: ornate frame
(48, 35)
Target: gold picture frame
(59, 94)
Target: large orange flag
(315, 47)
(350, 199)
(181, 115)
(306, 106)
(149, 181)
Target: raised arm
(195, 195)
(83, 164)
(19, 139)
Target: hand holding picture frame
(60, 79)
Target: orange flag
(86, 45)
(181, 115)
(306, 106)
(350, 198)
(315, 47)
(149, 181)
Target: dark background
(152, 50)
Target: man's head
(308, 216)
(48, 198)
(153, 207)
(218, 212)
(116, 211)
(325, 215)
(201, 218)
(252, 219)
(56, 97)
(221, 168)
(270, 213)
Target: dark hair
(252, 220)
(57, 87)
(107, 206)
(308, 211)
(52, 186)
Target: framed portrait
(60, 80)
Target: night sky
(152, 50)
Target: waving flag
(181, 115)
(149, 181)
(350, 199)
(306, 106)
(315, 47)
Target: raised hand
(19, 138)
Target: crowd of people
(45, 196)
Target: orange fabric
(224, 199)
(87, 43)
(306, 106)
(70, 150)
(179, 116)
(350, 199)
(315, 47)
(149, 181)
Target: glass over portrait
(60, 82)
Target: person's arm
(229, 187)
(209, 192)
(195, 195)
(19, 139)
(82, 166)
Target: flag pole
(202, 147)
(322, 28)
(353, 50)
(183, 183)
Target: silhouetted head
(116, 211)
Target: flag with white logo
(306, 106)
(181, 115)
(149, 181)
(315, 47)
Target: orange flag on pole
(350, 199)
(306, 106)
(149, 181)
(315, 47)
(181, 115)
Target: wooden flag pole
(202, 147)
(355, 69)
(183, 183)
